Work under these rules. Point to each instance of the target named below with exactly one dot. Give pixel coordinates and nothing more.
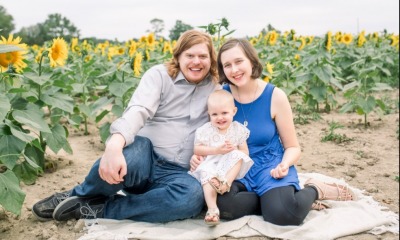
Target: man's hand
(112, 167)
(195, 162)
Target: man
(148, 153)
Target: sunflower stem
(40, 62)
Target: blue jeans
(156, 190)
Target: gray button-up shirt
(168, 112)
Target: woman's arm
(281, 112)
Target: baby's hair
(220, 96)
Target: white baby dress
(219, 165)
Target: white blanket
(344, 218)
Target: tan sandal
(212, 213)
(319, 205)
(221, 182)
(343, 191)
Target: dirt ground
(370, 162)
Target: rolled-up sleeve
(142, 106)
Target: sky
(127, 19)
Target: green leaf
(336, 83)
(385, 71)
(105, 131)
(57, 139)
(60, 101)
(348, 107)
(17, 90)
(11, 195)
(119, 89)
(40, 80)
(100, 103)
(34, 155)
(20, 134)
(381, 104)
(31, 118)
(117, 110)
(85, 110)
(366, 105)
(324, 73)
(101, 115)
(228, 33)
(78, 87)
(27, 171)
(4, 106)
(10, 149)
(308, 60)
(350, 86)
(381, 87)
(5, 48)
(318, 92)
(106, 73)
(75, 119)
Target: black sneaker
(80, 207)
(43, 210)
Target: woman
(271, 185)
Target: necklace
(245, 123)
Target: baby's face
(221, 114)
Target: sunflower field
(45, 91)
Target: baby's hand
(227, 147)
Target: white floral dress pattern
(219, 165)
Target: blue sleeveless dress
(265, 147)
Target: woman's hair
(187, 40)
(248, 50)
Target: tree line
(57, 25)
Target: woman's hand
(280, 171)
(195, 161)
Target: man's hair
(248, 50)
(187, 40)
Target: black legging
(280, 206)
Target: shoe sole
(42, 219)
(62, 203)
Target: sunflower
(361, 39)
(273, 37)
(14, 59)
(394, 40)
(137, 64)
(270, 68)
(266, 79)
(253, 41)
(303, 43)
(328, 41)
(120, 50)
(338, 36)
(347, 38)
(297, 57)
(132, 48)
(58, 52)
(150, 40)
(309, 39)
(167, 47)
(74, 45)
